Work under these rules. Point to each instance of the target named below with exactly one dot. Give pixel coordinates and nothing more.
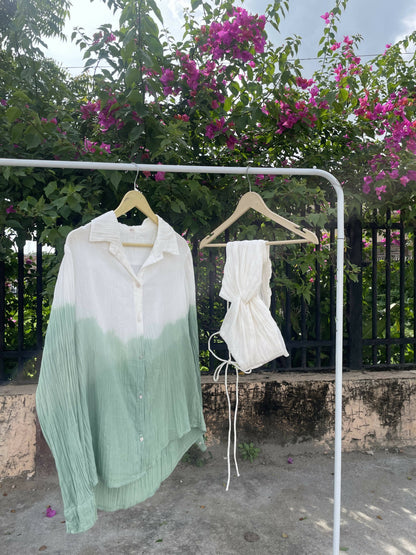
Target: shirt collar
(106, 228)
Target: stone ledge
(291, 409)
(379, 409)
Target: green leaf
(343, 95)
(132, 76)
(17, 131)
(13, 113)
(195, 4)
(227, 103)
(115, 178)
(50, 188)
(33, 139)
(6, 172)
(156, 10)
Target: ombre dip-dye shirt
(119, 395)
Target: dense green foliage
(222, 95)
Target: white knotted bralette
(252, 336)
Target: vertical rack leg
(338, 375)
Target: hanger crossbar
(120, 166)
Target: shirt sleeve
(62, 409)
(194, 332)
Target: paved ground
(274, 507)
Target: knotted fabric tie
(252, 336)
(225, 364)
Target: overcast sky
(378, 21)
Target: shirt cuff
(81, 518)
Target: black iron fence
(379, 304)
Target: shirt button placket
(138, 305)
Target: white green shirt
(119, 396)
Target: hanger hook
(135, 186)
(248, 177)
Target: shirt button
(141, 438)
(140, 396)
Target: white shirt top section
(130, 291)
(251, 334)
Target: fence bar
(402, 285)
(2, 317)
(303, 329)
(374, 307)
(20, 304)
(332, 302)
(414, 293)
(318, 315)
(39, 295)
(288, 309)
(388, 285)
(355, 295)
(211, 294)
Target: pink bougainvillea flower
(159, 176)
(388, 46)
(379, 190)
(89, 109)
(404, 180)
(106, 148)
(327, 17)
(136, 117)
(289, 460)
(394, 174)
(304, 83)
(167, 76)
(89, 146)
(411, 174)
(411, 146)
(110, 38)
(366, 188)
(3, 102)
(231, 142)
(50, 512)
(10, 209)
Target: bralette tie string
(225, 364)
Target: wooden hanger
(254, 200)
(135, 199)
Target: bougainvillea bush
(223, 94)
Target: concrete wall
(17, 430)
(296, 410)
(379, 409)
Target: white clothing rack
(339, 275)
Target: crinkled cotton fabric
(119, 395)
(252, 336)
